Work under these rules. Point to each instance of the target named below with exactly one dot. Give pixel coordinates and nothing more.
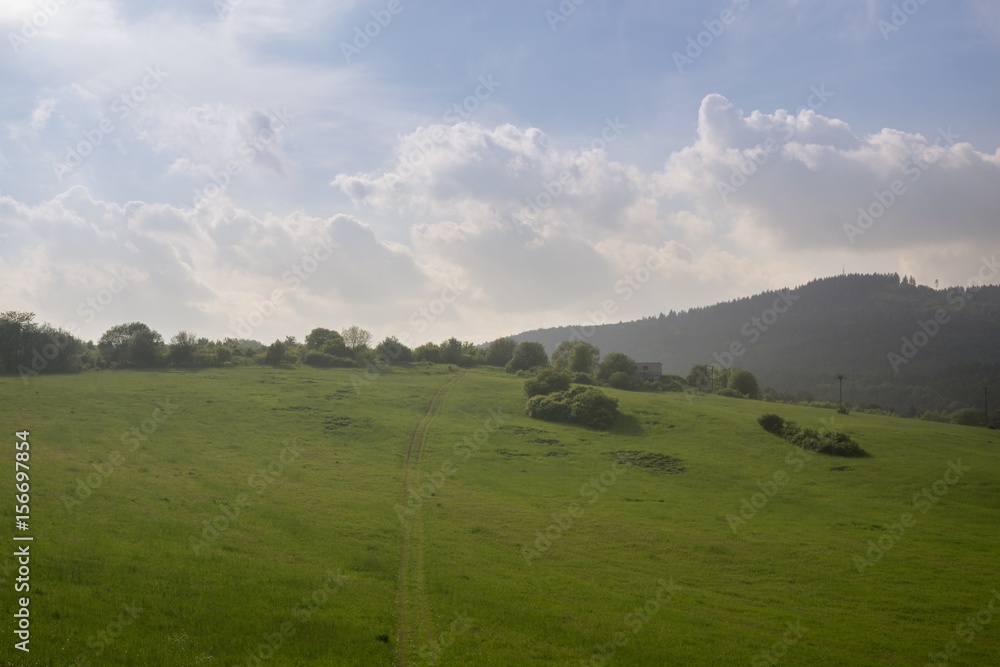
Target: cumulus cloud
(806, 180)
(207, 269)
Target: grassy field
(259, 516)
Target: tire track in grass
(411, 598)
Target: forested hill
(798, 340)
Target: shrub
(581, 405)
(772, 423)
(550, 408)
(730, 393)
(622, 380)
(547, 381)
(831, 443)
(323, 360)
(583, 378)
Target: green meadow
(294, 516)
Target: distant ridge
(901, 346)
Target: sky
(258, 168)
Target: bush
(772, 423)
(744, 382)
(550, 408)
(583, 378)
(730, 393)
(622, 380)
(967, 417)
(581, 405)
(831, 443)
(547, 381)
(323, 360)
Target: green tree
(318, 338)
(390, 349)
(547, 381)
(526, 356)
(428, 352)
(182, 349)
(451, 351)
(743, 381)
(356, 338)
(576, 356)
(616, 362)
(133, 344)
(500, 352)
(275, 353)
(699, 377)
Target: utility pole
(841, 378)
(986, 400)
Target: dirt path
(411, 599)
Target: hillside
(287, 517)
(798, 340)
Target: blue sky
(357, 154)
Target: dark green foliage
(743, 381)
(622, 380)
(580, 405)
(672, 383)
(616, 362)
(322, 360)
(968, 417)
(772, 423)
(390, 349)
(427, 352)
(526, 356)
(27, 347)
(576, 356)
(831, 443)
(844, 324)
(275, 353)
(730, 393)
(548, 381)
(131, 345)
(500, 351)
(699, 377)
(583, 378)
